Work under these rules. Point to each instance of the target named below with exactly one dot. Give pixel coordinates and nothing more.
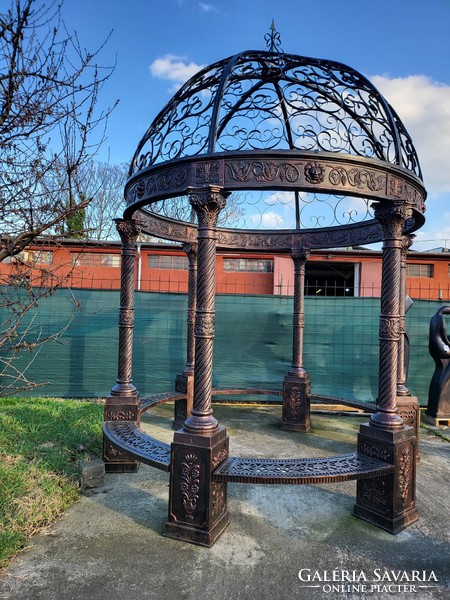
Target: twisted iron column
(123, 404)
(129, 232)
(192, 254)
(392, 219)
(207, 204)
(402, 390)
(299, 257)
(198, 505)
(389, 501)
(407, 405)
(184, 382)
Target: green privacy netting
(252, 345)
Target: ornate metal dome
(304, 133)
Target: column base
(296, 403)
(197, 505)
(388, 501)
(184, 383)
(184, 533)
(120, 408)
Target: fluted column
(207, 204)
(129, 231)
(392, 219)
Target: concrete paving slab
(109, 546)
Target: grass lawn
(41, 442)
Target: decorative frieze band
(321, 172)
(369, 232)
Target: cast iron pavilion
(283, 134)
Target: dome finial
(272, 39)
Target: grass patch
(41, 442)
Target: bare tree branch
(50, 122)
(51, 128)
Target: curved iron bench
(131, 440)
(339, 467)
(138, 445)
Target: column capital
(207, 203)
(300, 253)
(191, 250)
(392, 218)
(407, 242)
(129, 230)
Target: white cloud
(174, 68)
(424, 107)
(209, 8)
(268, 220)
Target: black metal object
(288, 130)
(439, 345)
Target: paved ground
(110, 544)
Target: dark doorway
(330, 279)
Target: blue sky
(403, 46)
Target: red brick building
(164, 268)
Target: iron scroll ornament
(271, 121)
(259, 100)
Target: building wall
(104, 273)
(370, 278)
(283, 276)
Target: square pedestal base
(197, 505)
(389, 501)
(296, 403)
(120, 408)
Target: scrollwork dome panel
(260, 100)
